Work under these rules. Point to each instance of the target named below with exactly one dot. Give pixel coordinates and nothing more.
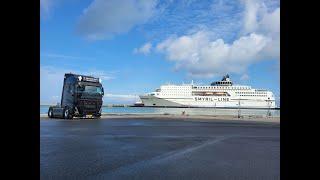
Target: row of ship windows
(208, 87)
(259, 93)
(176, 94)
(176, 89)
(189, 94)
(221, 87)
(239, 95)
(251, 92)
(255, 95)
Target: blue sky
(137, 45)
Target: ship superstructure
(221, 94)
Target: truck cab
(81, 97)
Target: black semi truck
(81, 97)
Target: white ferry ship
(220, 94)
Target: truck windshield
(92, 89)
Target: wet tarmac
(158, 149)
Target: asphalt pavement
(151, 148)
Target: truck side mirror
(102, 91)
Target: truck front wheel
(50, 113)
(98, 116)
(66, 113)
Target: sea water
(177, 111)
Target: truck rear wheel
(67, 113)
(50, 113)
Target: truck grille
(90, 105)
(86, 106)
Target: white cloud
(250, 20)
(257, 19)
(145, 49)
(63, 56)
(271, 22)
(202, 57)
(45, 6)
(244, 77)
(99, 73)
(201, 54)
(270, 25)
(105, 18)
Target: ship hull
(153, 101)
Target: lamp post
(239, 113)
(268, 113)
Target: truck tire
(67, 113)
(97, 116)
(50, 113)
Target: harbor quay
(133, 147)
